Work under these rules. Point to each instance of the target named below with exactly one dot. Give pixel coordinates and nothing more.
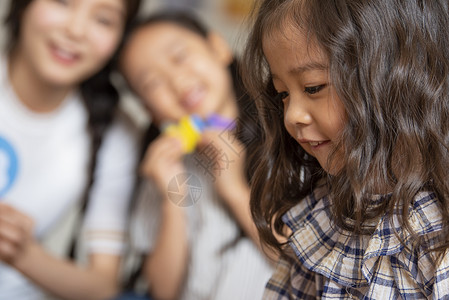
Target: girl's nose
(179, 80)
(296, 112)
(76, 25)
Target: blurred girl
(357, 147)
(194, 208)
(61, 144)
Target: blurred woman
(64, 143)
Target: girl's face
(65, 41)
(313, 112)
(178, 72)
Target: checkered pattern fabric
(330, 263)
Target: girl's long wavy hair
(389, 63)
(98, 93)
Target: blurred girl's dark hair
(99, 94)
(389, 63)
(247, 129)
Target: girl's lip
(193, 98)
(317, 145)
(64, 56)
(313, 144)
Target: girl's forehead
(169, 28)
(292, 48)
(164, 36)
(289, 14)
(285, 35)
(152, 38)
(290, 27)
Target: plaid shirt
(331, 263)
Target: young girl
(200, 239)
(60, 143)
(355, 109)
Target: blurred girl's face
(63, 42)
(178, 72)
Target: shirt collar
(340, 255)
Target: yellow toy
(188, 130)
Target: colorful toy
(189, 129)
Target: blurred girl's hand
(228, 163)
(163, 161)
(16, 234)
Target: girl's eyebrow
(118, 9)
(309, 66)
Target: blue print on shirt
(8, 166)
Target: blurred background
(228, 17)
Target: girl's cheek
(44, 16)
(50, 17)
(104, 43)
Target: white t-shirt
(44, 162)
(223, 264)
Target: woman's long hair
(98, 93)
(389, 63)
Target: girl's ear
(220, 47)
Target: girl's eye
(63, 2)
(180, 56)
(314, 89)
(282, 95)
(105, 21)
